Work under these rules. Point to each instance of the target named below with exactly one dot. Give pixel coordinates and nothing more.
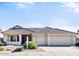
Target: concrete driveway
(62, 51)
(46, 51)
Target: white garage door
(61, 40)
(40, 39)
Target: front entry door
(24, 38)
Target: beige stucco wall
(40, 39)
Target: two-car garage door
(61, 40)
(54, 40)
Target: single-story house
(47, 36)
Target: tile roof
(48, 30)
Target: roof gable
(16, 27)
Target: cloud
(34, 25)
(62, 23)
(24, 4)
(73, 6)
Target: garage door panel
(61, 40)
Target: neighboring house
(1, 35)
(47, 36)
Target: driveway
(46, 51)
(62, 51)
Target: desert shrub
(1, 49)
(1, 43)
(4, 42)
(31, 45)
(8, 49)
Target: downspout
(46, 37)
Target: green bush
(1, 43)
(31, 45)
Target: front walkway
(46, 51)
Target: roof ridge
(28, 29)
(64, 30)
(16, 26)
(49, 27)
(38, 31)
(44, 28)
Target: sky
(62, 15)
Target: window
(14, 38)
